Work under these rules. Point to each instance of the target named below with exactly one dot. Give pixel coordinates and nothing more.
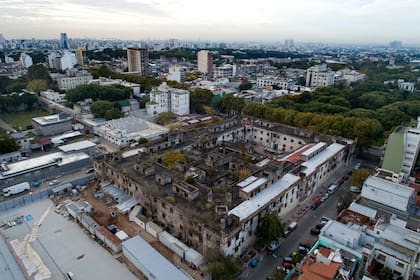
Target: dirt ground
(102, 215)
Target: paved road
(302, 232)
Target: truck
(15, 189)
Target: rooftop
(295, 156)
(252, 205)
(394, 152)
(77, 146)
(322, 157)
(52, 119)
(363, 210)
(388, 193)
(151, 260)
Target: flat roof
(363, 210)
(10, 268)
(61, 138)
(314, 148)
(52, 119)
(37, 163)
(387, 193)
(77, 146)
(321, 158)
(252, 205)
(151, 260)
(247, 181)
(254, 185)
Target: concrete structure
(150, 263)
(224, 220)
(25, 60)
(138, 61)
(349, 76)
(80, 58)
(394, 196)
(72, 81)
(205, 62)
(53, 96)
(62, 60)
(407, 86)
(226, 71)
(272, 81)
(167, 99)
(402, 151)
(176, 73)
(52, 125)
(125, 131)
(319, 76)
(108, 81)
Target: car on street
(316, 203)
(346, 178)
(287, 262)
(324, 197)
(274, 245)
(355, 189)
(54, 182)
(315, 231)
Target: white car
(54, 182)
(324, 197)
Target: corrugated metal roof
(151, 260)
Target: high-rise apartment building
(319, 76)
(138, 61)
(205, 62)
(64, 41)
(79, 56)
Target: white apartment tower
(167, 99)
(25, 60)
(204, 62)
(319, 76)
(138, 61)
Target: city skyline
(355, 21)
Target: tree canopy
(269, 229)
(7, 143)
(97, 92)
(359, 176)
(223, 267)
(245, 86)
(37, 72)
(169, 158)
(105, 109)
(165, 118)
(200, 97)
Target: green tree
(7, 144)
(198, 98)
(386, 274)
(37, 72)
(169, 158)
(245, 86)
(231, 104)
(113, 113)
(143, 140)
(165, 118)
(224, 267)
(359, 176)
(297, 257)
(99, 108)
(269, 229)
(37, 85)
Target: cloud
(268, 20)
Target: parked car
(274, 245)
(341, 181)
(303, 250)
(315, 231)
(287, 262)
(316, 203)
(355, 189)
(346, 178)
(320, 226)
(54, 182)
(324, 197)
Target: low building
(225, 71)
(125, 131)
(54, 96)
(391, 196)
(70, 82)
(176, 73)
(149, 262)
(52, 124)
(108, 81)
(277, 82)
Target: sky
(330, 21)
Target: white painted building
(349, 76)
(54, 96)
(70, 82)
(176, 73)
(319, 76)
(25, 60)
(167, 99)
(107, 82)
(125, 131)
(224, 71)
(273, 81)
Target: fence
(34, 196)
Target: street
(302, 233)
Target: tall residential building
(288, 44)
(138, 61)
(79, 56)
(205, 62)
(25, 60)
(176, 73)
(167, 99)
(319, 76)
(64, 41)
